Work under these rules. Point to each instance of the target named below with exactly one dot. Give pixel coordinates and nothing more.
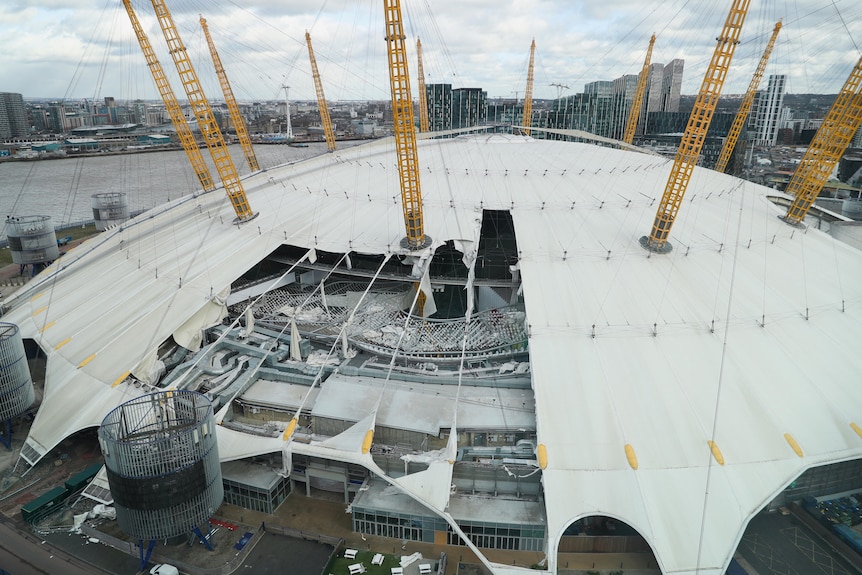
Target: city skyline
(58, 52)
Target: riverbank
(64, 155)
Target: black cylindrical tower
(162, 461)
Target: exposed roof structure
(678, 393)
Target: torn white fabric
(190, 334)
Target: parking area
(282, 555)
(776, 544)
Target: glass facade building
(509, 521)
(432, 529)
(253, 486)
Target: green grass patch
(78, 232)
(339, 565)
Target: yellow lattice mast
(204, 115)
(635, 112)
(695, 131)
(827, 147)
(235, 116)
(745, 106)
(178, 119)
(405, 130)
(325, 120)
(423, 101)
(528, 93)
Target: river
(62, 188)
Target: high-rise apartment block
(469, 107)
(13, 116)
(671, 85)
(766, 112)
(439, 99)
(455, 108)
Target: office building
(671, 85)
(621, 104)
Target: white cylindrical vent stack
(32, 239)
(16, 386)
(109, 209)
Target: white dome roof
(743, 335)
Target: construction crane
(423, 97)
(233, 109)
(325, 121)
(405, 131)
(831, 140)
(178, 119)
(204, 115)
(695, 131)
(528, 93)
(745, 106)
(635, 112)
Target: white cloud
(85, 48)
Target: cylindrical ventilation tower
(162, 461)
(32, 239)
(109, 209)
(16, 387)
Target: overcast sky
(78, 49)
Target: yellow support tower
(206, 121)
(827, 147)
(745, 106)
(635, 112)
(178, 119)
(695, 131)
(405, 130)
(325, 120)
(423, 102)
(527, 120)
(235, 116)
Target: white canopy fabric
(423, 408)
(743, 335)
